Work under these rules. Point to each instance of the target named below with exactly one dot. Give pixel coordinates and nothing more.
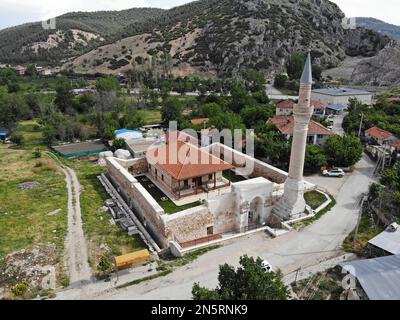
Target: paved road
(275, 94)
(337, 124)
(310, 246)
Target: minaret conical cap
(306, 77)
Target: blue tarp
(121, 131)
(3, 133)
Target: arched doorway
(255, 212)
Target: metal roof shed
(379, 278)
(388, 240)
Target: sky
(15, 12)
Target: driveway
(312, 245)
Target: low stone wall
(239, 159)
(134, 166)
(136, 196)
(189, 224)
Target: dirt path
(76, 255)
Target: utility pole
(361, 122)
(364, 199)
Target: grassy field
(24, 219)
(151, 116)
(101, 235)
(32, 134)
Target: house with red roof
(317, 133)
(285, 108)
(184, 169)
(379, 135)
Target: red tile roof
(199, 121)
(395, 144)
(285, 125)
(186, 160)
(378, 133)
(288, 104)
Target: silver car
(334, 173)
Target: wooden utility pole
(361, 122)
(364, 199)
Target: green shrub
(20, 288)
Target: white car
(267, 266)
(334, 173)
(7, 141)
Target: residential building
(20, 69)
(336, 109)
(199, 121)
(285, 108)
(139, 147)
(378, 278)
(341, 96)
(380, 136)
(317, 133)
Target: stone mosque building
(182, 204)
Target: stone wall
(147, 209)
(188, 225)
(239, 159)
(134, 166)
(224, 213)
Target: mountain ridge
(212, 37)
(380, 26)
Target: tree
(261, 97)
(247, 282)
(210, 110)
(64, 97)
(107, 84)
(295, 65)
(252, 115)
(254, 79)
(240, 98)
(227, 120)
(31, 71)
(118, 144)
(280, 81)
(315, 159)
(105, 265)
(343, 151)
(171, 110)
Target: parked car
(267, 266)
(334, 173)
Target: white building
(341, 95)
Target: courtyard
(163, 200)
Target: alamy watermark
(349, 23)
(50, 24)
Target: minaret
(293, 204)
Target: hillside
(205, 37)
(388, 29)
(220, 37)
(76, 33)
